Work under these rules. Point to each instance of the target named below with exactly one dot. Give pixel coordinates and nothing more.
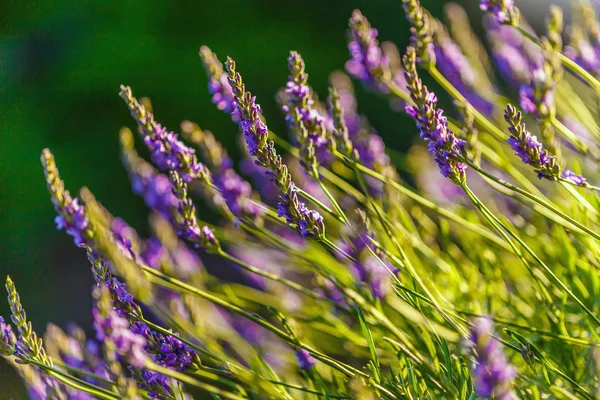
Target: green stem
(567, 62)
(345, 369)
(268, 275)
(76, 383)
(544, 267)
(535, 199)
(452, 91)
(191, 381)
(434, 207)
(319, 394)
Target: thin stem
(546, 269)
(434, 207)
(76, 383)
(452, 91)
(345, 369)
(567, 62)
(268, 275)
(535, 199)
(191, 381)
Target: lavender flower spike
(168, 153)
(190, 230)
(218, 85)
(304, 121)
(7, 339)
(71, 215)
(528, 148)
(421, 33)
(367, 63)
(492, 373)
(447, 149)
(307, 222)
(504, 11)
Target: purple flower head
(304, 121)
(305, 360)
(582, 52)
(146, 182)
(504, 11)
(235, 191)
(165, 350)
(537, 98)
(77, 224)
(367, 62)
(218, 86)
(528, 148)
(157, 385)
(153, 253)
(572, 177)
(305, 221)
(442, 143)
(127, 343)
(492, 374)
(71, 215)
(168, 153)
(7, 339)
(309, 222)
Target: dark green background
(61, 64)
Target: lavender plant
(481, 281)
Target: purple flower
(492, 374)
(127, 343)
(537, 98)
(528, 148)
(305, 360)
(305, 221)
(218, 86)
(572, 177)
(304, 121)
(367, 62)
(583, 53)
(165, 350)
(157, 385)
(7, 339)
(167, 152)
(235, 191)
(457, 69)
(75, 223)
(170, 154)
(309, 222)
(432, 123)
(502, 10)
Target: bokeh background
(61, 64)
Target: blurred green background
(61, 64)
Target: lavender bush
(348, 282)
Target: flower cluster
(421, 33)
(492, 373)
(218, 86)
(532, 152)
(448, 151)
(307, 222)
(71, 216)
(165, 350)
(504, 11)
(303, 119)
(168, 153)
(368, 62)
(128, 343)
(154, 187)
